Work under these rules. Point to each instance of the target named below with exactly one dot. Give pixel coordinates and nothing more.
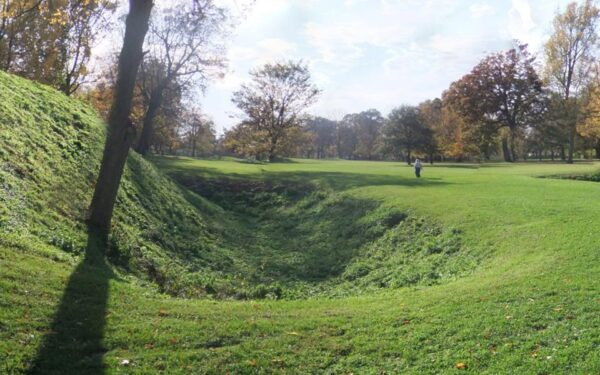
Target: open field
(531, 305)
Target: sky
(373, 53)
(367, 54)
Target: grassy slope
(531, 307)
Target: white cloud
(480, 10)
(367, 53)
(520, 22)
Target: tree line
(508, 106)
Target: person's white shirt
(417, 163)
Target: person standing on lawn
(418, 168)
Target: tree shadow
(74, 343)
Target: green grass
(486, 265)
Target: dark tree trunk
(148, 129)
(571, 144)
(408, 157)
(505, 149)
(513, 138)
(563, 155)
(552, 154)
(121, 131)
(271, 154)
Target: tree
(569, 58)
(274, 101)
(367, 128)
(180, 48)
(405, 133)
(347, 140)
(325, 132)
(503, 90)
(80, 22)
(431, 115)
(245, 140)
(121, 131)
(198, 133)
(51, 41)
(590, 126)
(15, 15)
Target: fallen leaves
(252, 362)
(461, 366)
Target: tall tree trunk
(513, 138)
(120, 128)
(505, 149)
(597, 148)
(572, 131)
(408, 157)
(148, 129)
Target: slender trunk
(552, 154)
(571, 144)
(120, 128)
(408, 158)
(513, 137)
(505, 149)
(563, 155)
(148, 129)
(597, 149)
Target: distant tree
(404, 132)
(450, 134)
(181, 47)
(121, 131)
(367, 128)
(246, 140)
(569, 59)
(589, 127)
(347, 139)
(551, 133)
(431, 115)
(503, 90)
(198, 133)
(325, 132)
(274, 102)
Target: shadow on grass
(74, 343)
(337, 181)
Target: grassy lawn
(532, 304)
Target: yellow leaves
(293, 333)
(461, 366)
(252, 362)
(163, 313)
